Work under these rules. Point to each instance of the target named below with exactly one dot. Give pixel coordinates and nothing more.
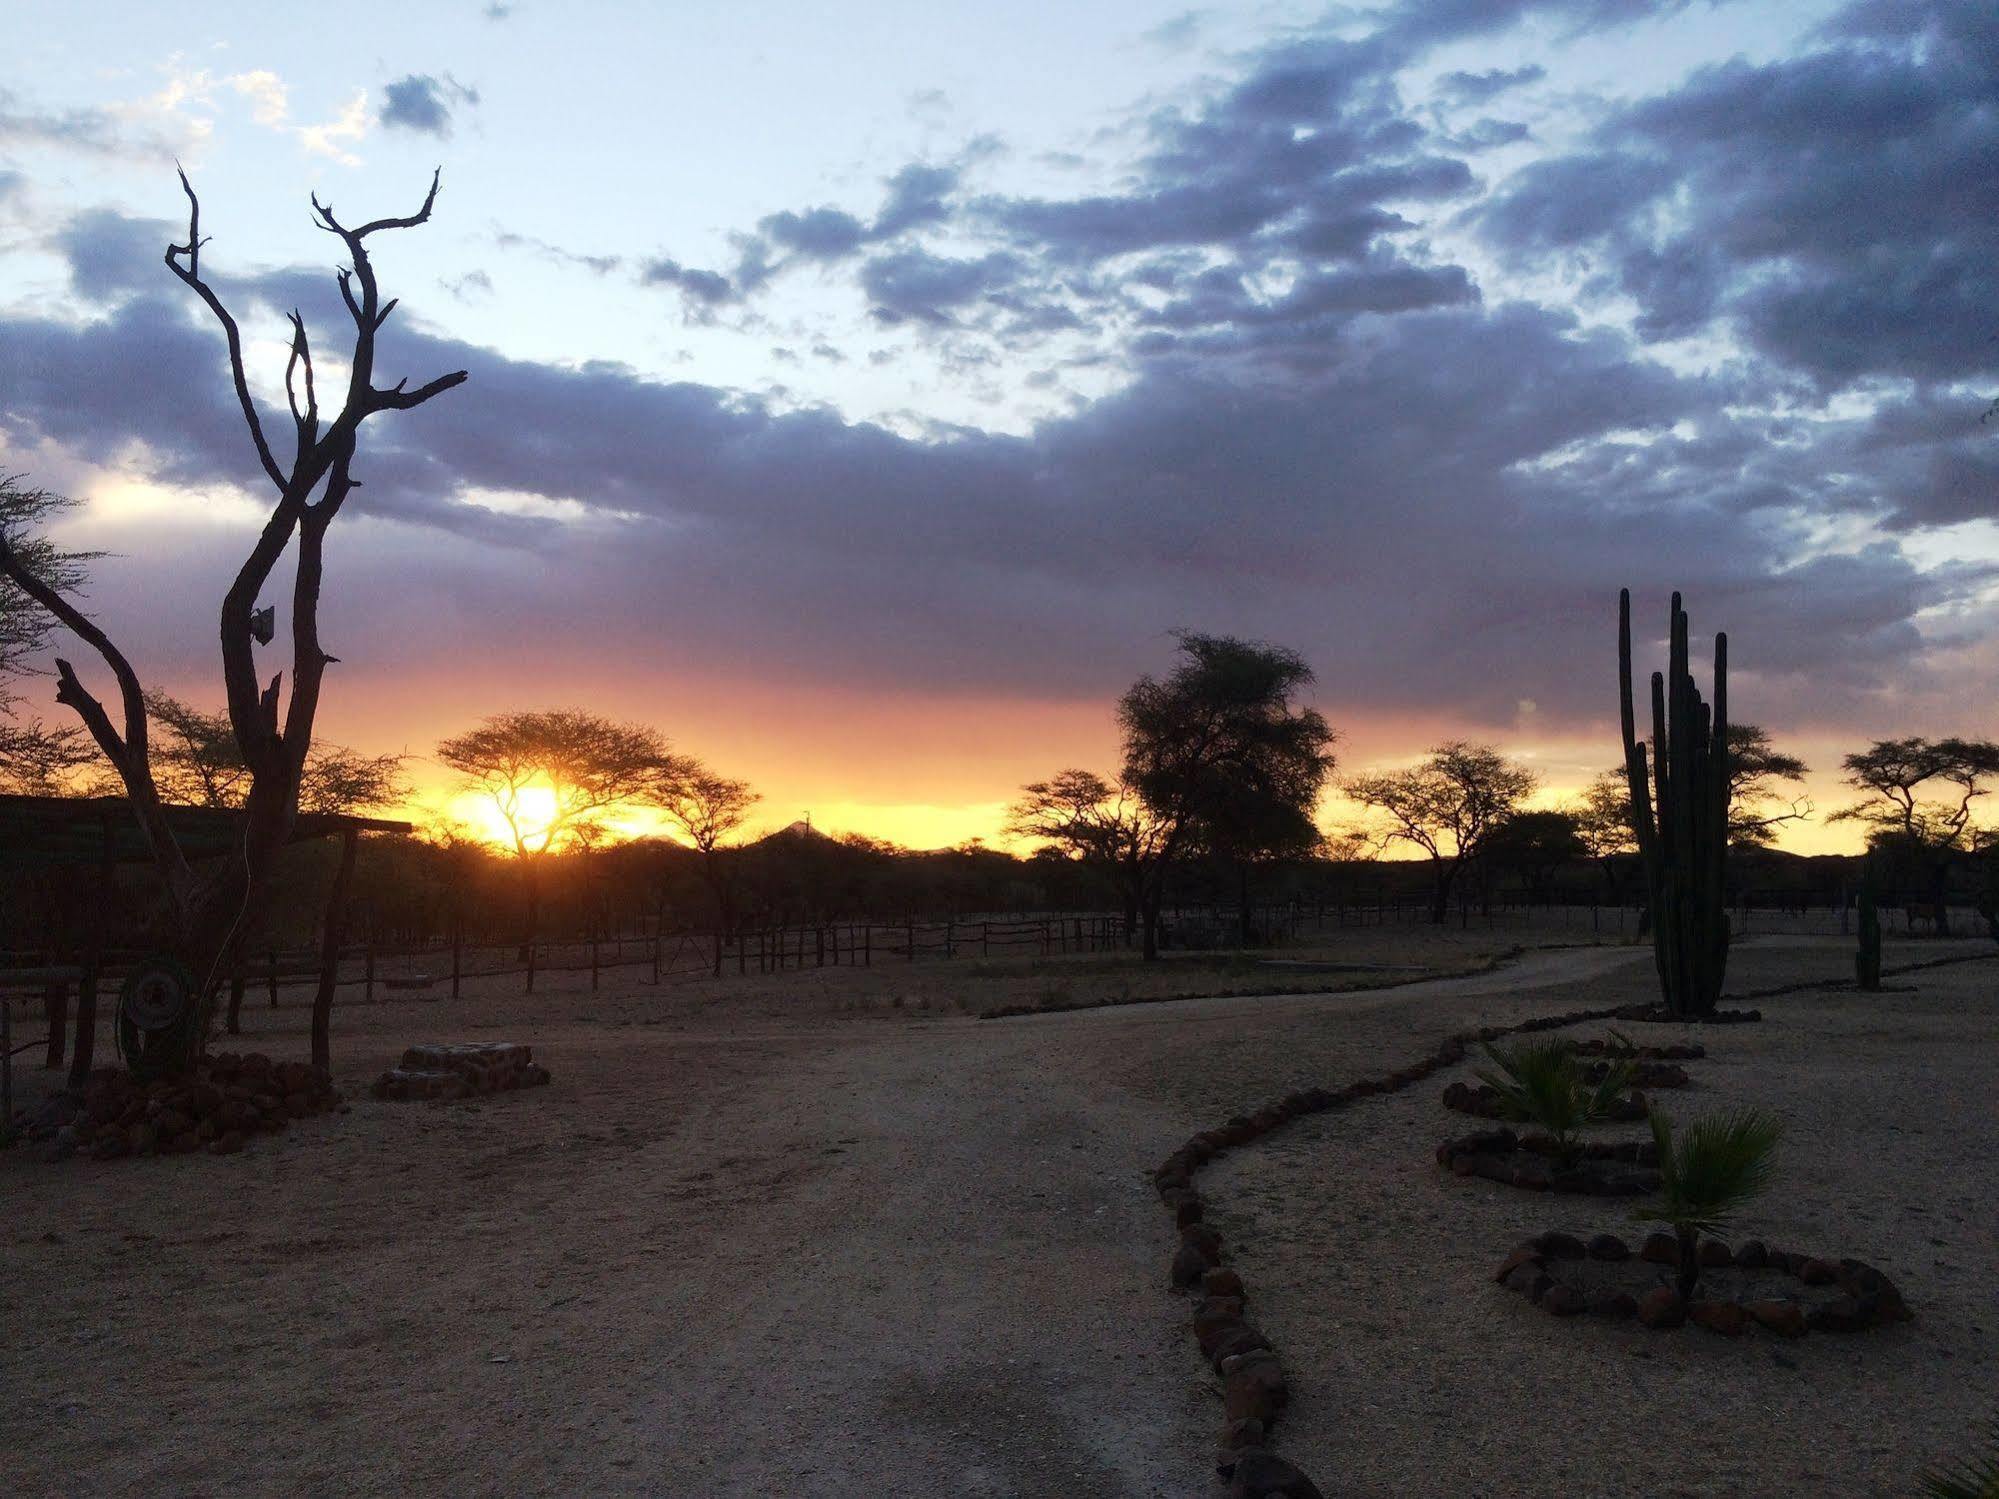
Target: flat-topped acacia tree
(210, 909)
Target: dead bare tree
(210, 911)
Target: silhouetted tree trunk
(332, 933)
(530, 904)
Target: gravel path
(1415, 1375)
(899, 1257)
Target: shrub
(1542, 1083)
(1707, 1173)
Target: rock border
(1254, 1389)
(1674, 1052)
(1481, 1101)
(1499, 1155)
(1867, 1297)
(1658, 1014)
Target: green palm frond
(1976, 1478)
(1541, 1082)
(1713, 1167)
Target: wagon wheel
(156, 1017)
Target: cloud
(1313, 424)
(702, 290)
(1481, 88)
(94, 132)
(907, 284)
(600, 265)
(1440, 514)
(470, 287)
(1835, 209)
(423, 103)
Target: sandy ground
(833, 1249)
(1371, 1269)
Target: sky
(863, 395)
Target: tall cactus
(1679, 814)
(1867, 959)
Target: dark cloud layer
(1327, 432)
(1838, 209)
(422, 103)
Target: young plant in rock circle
(1976, 1478)
(1542, 1083)
(1707, 1173)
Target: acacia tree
(197, 762)
(1603, 826)
(210, 910)
(586, 769)
(708, 808)
(1448, 806)
(35, 759)
(1934, 831)
(1756, 771)
(1534, 846)
(1259, 821)
(1107, 827)
(1218, 731)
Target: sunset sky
(862, 394)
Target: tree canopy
(1218, 752)
(34, 758)
(1893, 776)
(588, 769)
(1448, 806)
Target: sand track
(884, 1257)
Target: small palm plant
(1541, 1082)
(1715, 1166)
(1977, 1478)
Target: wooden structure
(100, 833)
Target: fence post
(530, 965)
(55, 1000)
(655, 957)
(368, 992)
(819, 943)
(272, 956)
(593, 961)
(909, 939)
(457, 956)
(868, 945)
(985, 935)
(950, 937)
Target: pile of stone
(1678, 1052)
(1482, 1101)
(216, 1106)
(1600, 1169)
(1857, 1295)
(461, 1069)
(1644, 1074)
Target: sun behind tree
(555, 778)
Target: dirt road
(871, 1257)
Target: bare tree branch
(191, 274)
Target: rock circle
(1553, 1271)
